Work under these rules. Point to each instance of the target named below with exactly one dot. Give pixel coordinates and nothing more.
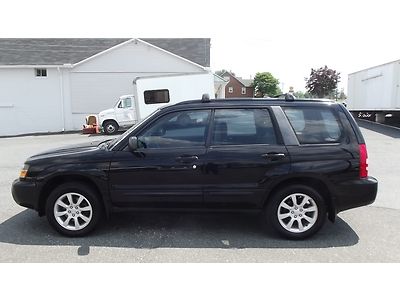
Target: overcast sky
(285, 37)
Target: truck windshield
(117, 140)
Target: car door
(244, 156)
(124, 112)
(165, 171)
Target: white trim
(61, 83)
(221, 78)
(174, 55)
(103, 52)
(145, 43)
(128, 72)
(31, 66)
(167, 75)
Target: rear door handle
(187, 159)
(273, 156)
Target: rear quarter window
(314, 125)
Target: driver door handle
(187, 158)
(273, 156)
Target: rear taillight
(363, 161)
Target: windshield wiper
(106, 142)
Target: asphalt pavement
(367, 234)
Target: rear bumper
(25, 193)
(356, 193)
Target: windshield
(116, 141)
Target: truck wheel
(296, 211)
(73, 209)
(110, 127)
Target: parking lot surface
(367, 234)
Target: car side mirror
(133, 143)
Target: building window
(41, 72)
(230, 89)
(243, 91)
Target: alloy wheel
(73, 211)
(297, 213)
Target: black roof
(26, 51)
(250, 102)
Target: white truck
(374, 93)
(152, 92)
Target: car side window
(177, 130)
(314, 125)
(242, 126)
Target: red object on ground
(91, 126)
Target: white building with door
(51, 85)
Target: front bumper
(25, 193)
(356, 193)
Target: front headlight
(24, 172)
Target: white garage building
(50, 85)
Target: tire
(84, 215)
(110, 127)
(300, 220)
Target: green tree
(265, 84)
(299, 94)
(337, 95)
(322, 82)
(342, 95)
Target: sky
(285, 37)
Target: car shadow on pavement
(388, 131)
(171, 230)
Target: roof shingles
(70, 51)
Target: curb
(40, 134)
(379, 124)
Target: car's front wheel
(73, 209)
(296, 212)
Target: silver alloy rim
(297, 213)
(110, 128)
(73, 211)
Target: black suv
(297, 162)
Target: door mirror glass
(133, 143)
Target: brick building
(238, 87)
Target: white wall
(29, 104)
(96, 84)
(375, 88)
(181, 88)
(136, 57)
(63, 99)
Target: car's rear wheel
(110, 127)
(73, 209)
(296, 211)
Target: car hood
(71, 150)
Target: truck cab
(122, 115)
